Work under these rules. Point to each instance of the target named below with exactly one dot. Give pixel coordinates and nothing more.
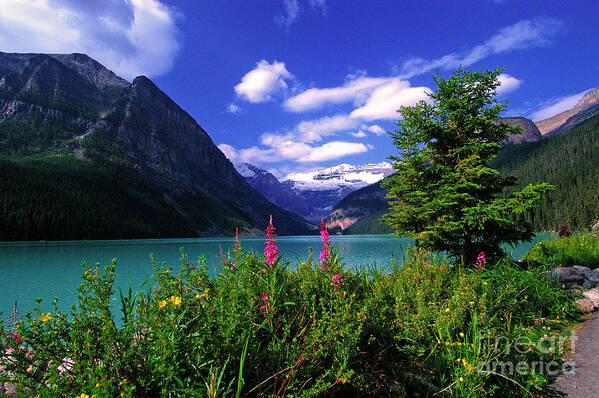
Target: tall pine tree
(444, 194)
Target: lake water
(53, 269)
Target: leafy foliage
(256, 329)
(445, 195)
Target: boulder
(560, 273)
(578, 279)
(593, 295)
(581, 268)
(586, 305)
(573, 286)
(590, 283)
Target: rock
(586, 305)
(589, 274)
(530, 131)
(593, 295)
(573, 286)
(574, 279)
(590, 283)
(581, 268)
(559, 274)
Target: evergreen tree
(444, 194)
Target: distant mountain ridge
(313, 194)
(70, 105)
(278, 193)
(586, 108)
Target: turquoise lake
(53, 269)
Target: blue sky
(292, 85)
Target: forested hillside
(570, 162)
(62, 198)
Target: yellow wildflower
(161, 303)
(485, 283)
(83, 395)
(472, 303)
(447, 310)
(461, 334)
(45, 317)
(461, 379)
(175, 300)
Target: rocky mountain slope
(366, 203)
(70, 105)
(267, 184)
(530, 131)
(587, 107)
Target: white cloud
(229, 151)
(375, 128)
(292, 13)
(508, 83)
(263, 82)
(529, 33)
(385, 100)
(310, 131)
(333, 150)
(293, 150)
(130, 37)
(558, 105)
(314, 130)
(233, 108)
(315, 98)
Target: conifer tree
(444, 194)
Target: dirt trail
(584, 382)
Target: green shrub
(256, 329)
(576, 250)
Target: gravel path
(584, 383)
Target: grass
(432, 328)
(575, 250)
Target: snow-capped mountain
(340, 177)
(277, 193)
(313, 194)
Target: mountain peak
(530, 131)
(339, 177)
(93, 71)
(587, 107)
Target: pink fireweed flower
(264, 309)
(481, 262)
(325, 252)
(271, 251)
(337, 282)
